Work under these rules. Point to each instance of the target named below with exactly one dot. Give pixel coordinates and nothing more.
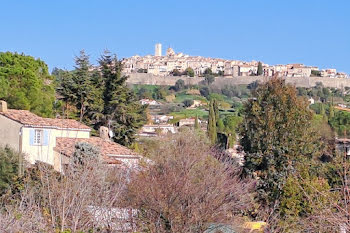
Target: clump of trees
(25, 83)
(101, 97)
(283, 152)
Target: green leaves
(25, 83)
(276, 132)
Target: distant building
(149, 102)
(156, 130)
(158, 50)
(188, 122)
(164, 65)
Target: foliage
(209, 79)
(102, 97)
(188, 102)
(185, 189)
(260, 69)
(9, 172)
(85, 151)
(204, 91)
(212, 131)
(121, 112)
(276, 132)
(179, 85)
(316, 73)
(341, 123)
(196, 123)
(25, 83)
(189, 72)
(176, 72)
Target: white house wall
(45, 153)
(9, 133)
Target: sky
(313, 32)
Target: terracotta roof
(30, 119)
(108, 149)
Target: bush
(194, 182)
(188, 102)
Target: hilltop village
(176, 63)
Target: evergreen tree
(216, 110)
(83, 87)
(260, 69)
(212, 133)
(220, 126)
(331, 112)
(25, 83)
(10, 168)
(276, 133)
(122, 113)
(196, 123)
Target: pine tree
(82, 83)
(122, 113)
(212, 133)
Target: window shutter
(31, 136)
(46, 138)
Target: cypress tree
(212, 134)
(122, 112)
(196, 123)
(260, 69)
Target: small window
(38, 137)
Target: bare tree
(85, 197)
(186, 189)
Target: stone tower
(158, 50)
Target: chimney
(104, 133)
(3, 106)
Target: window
(38, 137)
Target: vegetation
(276, 135)
(102, 98)
(25, 83)
(213, 116)
(10, 169)
(260, 69)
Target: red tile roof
(30, 119)
(108, 149)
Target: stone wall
(141, 78)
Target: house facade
(37, 138)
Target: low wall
(140, 78)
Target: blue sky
(313, 32)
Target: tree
(121, 113)
(10, 168)
(189, 72)
(196, 123)
(260, 69)
(276, 133)
(188, 102)
(220, 126)
(85, 152)
(179, 85)
(208, 71)
(209, 79)
(25, 83)
(204, 91)
(185, 189)
(82, 83)
(176, 72)
(212, 133)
